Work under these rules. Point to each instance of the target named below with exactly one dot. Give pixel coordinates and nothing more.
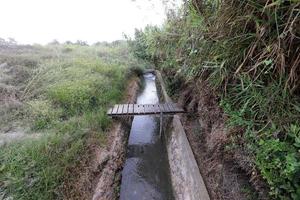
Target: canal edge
(186, 178)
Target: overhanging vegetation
(249, 53)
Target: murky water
(146, 172)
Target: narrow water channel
(146, 172)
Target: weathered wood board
(144, 109)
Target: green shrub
(279, 163)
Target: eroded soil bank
(228, 175)
(98, 176)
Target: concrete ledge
(186, 179)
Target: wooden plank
(125, 107)
(165, 108)
(178, 108)
(160, 109)
(120, 109)
(115, 109)
(156, 109)
(144, 109)
(136, 109)
(152, 109)
(170, 109)
(173, 107)
(148, 108)
(130, 109)
(141, 109)
(125, 110)
(109, 111)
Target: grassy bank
(62, 99)
(248, 52)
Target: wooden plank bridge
(144, 109)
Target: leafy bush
(279, 163)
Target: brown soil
(228, 175)
(97, 176)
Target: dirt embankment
(98, 176)
(228, 175)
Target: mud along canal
(146, 174)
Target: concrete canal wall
(186, 179)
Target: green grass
(65, 99)
(35, 169)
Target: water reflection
(146, 171)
